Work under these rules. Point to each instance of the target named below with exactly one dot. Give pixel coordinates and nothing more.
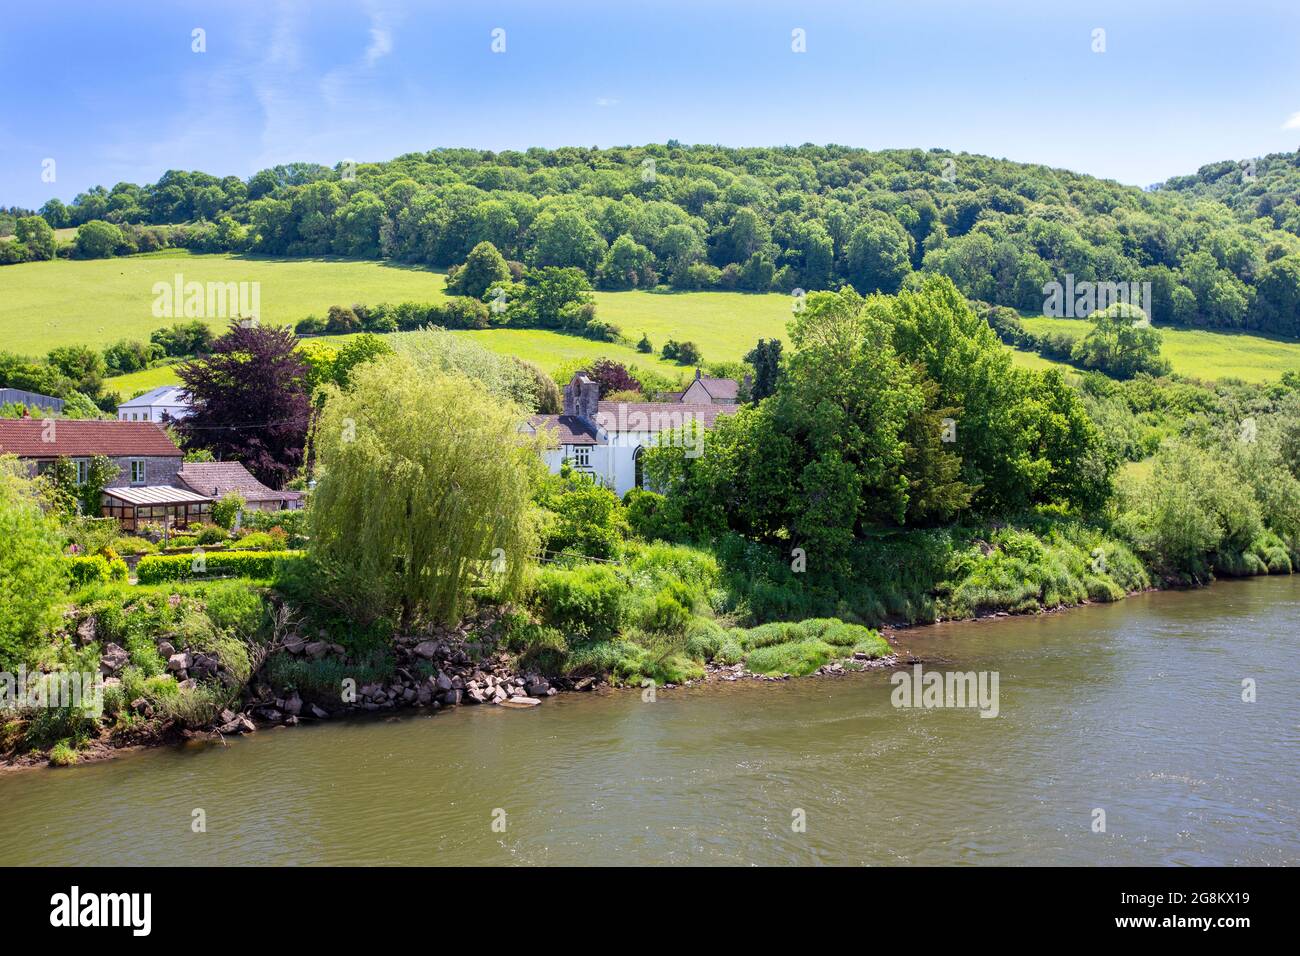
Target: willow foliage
(423, 479)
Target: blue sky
(113, 91)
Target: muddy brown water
(1133, 708)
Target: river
(1133, 708)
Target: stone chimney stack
(582, 398)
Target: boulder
(317, 649)
(319, 713)
(179, 662)
(113, 660)
(86, 631)
(426, 649)
(166, 649)
(293, 705)
(443, 683)
(521, 702)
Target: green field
(45, 304)
(1202, 354)
(98, 301)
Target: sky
(117, 92)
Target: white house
(166, 400)
(606, 439)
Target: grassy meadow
(1203, 354)
(97, 302)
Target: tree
(563, 238)
(611, 376)
(33, 573)
(82, 365)
(878, 255)
(35, 233)
(765, 357)
(97, 240)
(414, 508)
(484, 269)
(1278, 296)
(1121, 343)
(645, 346)
(628, 265)
(249, 401)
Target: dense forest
(1221, 248)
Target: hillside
(1267, 188)
(756, 219)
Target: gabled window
(137, 471)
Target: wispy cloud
(1293, 122)
(606, 101)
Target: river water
(1133, 708)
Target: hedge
(96, 569)
(156, 568)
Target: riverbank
(303, 680)
(1134, 707)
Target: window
(137, 471)
(582, 456)
(83, 467)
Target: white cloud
(606, 101)
(1293, 122)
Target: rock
(294, 645)
(142, 707)
(861, 656)
(293, 705)
(452, 697)
(318, 712)
(443, 683)
(521, 702)
(113, 659)
(188, 684)
(426, 649)
(537, 688)
(86, 631)
(166, 649)
(586, 683)
(316, 649)
(179, 662)
(291, 721)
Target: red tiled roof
(217, 478)
(568, 429)
(656, 416)
(37, 438)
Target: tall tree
(249, 401)
(413, 508)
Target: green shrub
(63, 754)
(156, 568)
(225, 510)
(133, 545)
(586, 601)
(96, 569)
(704, 638)
(209, 534)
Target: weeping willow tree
(425, 489)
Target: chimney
(570, 398)
(697, 373)
(588, 399)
